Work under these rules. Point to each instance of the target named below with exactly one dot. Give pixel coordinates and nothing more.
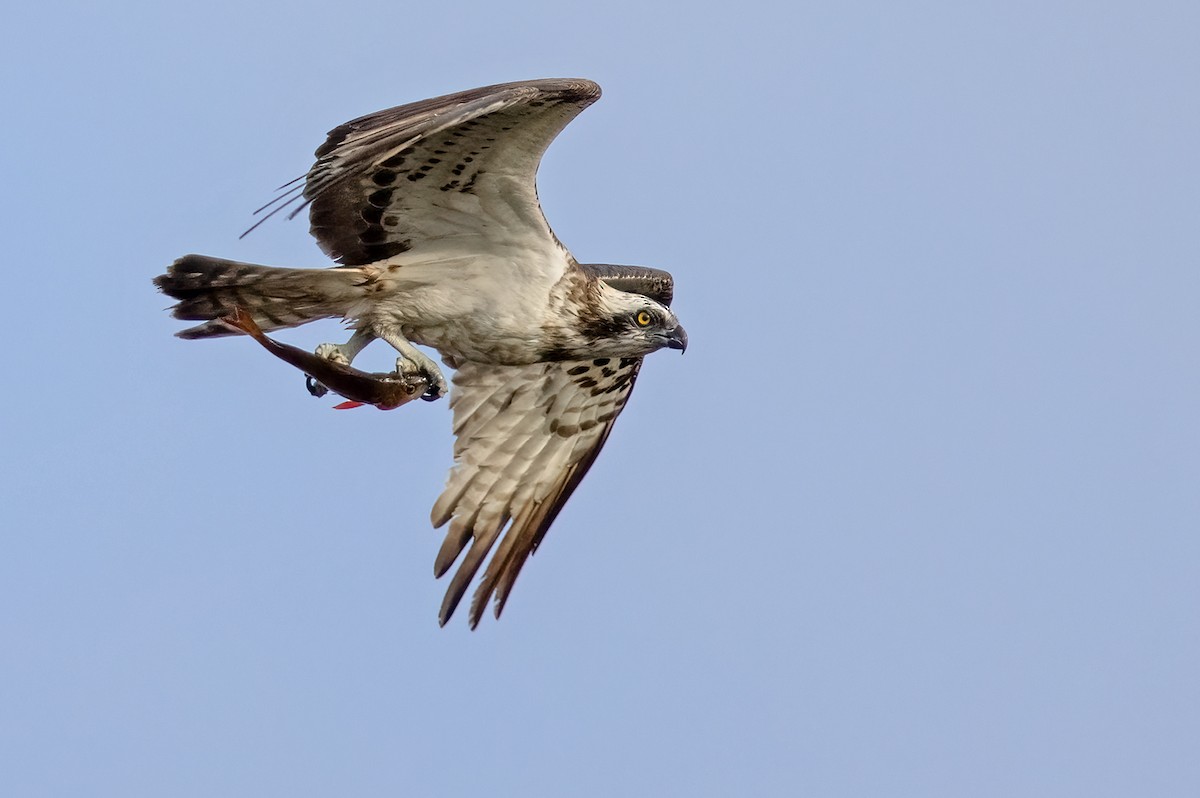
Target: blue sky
(916, 514)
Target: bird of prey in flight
(431, 211)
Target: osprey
(431, 210)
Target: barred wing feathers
(456, 169)
(525, 437)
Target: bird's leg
(345, 353)
(413, 363)
(339, 353)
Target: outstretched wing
(657, 284)
(526, 436)
(446, 170)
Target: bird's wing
(447, 171)
(657, 284)
(526, 436)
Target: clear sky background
(917, 514)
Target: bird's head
(631, 325)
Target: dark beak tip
(675, 339)
(679, 340)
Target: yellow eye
(643, 318)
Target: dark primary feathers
(387, 182)
(525, 437)
(431, 206)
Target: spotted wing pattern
(525, 437)
(454, 169)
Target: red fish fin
(347, 405)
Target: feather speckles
(438, 152)
(598, 378)
(514, 463)
(431, 210)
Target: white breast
(491, 307)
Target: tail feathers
(210, 288)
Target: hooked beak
(677, 339)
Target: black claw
(435, 390)
(315, 388)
